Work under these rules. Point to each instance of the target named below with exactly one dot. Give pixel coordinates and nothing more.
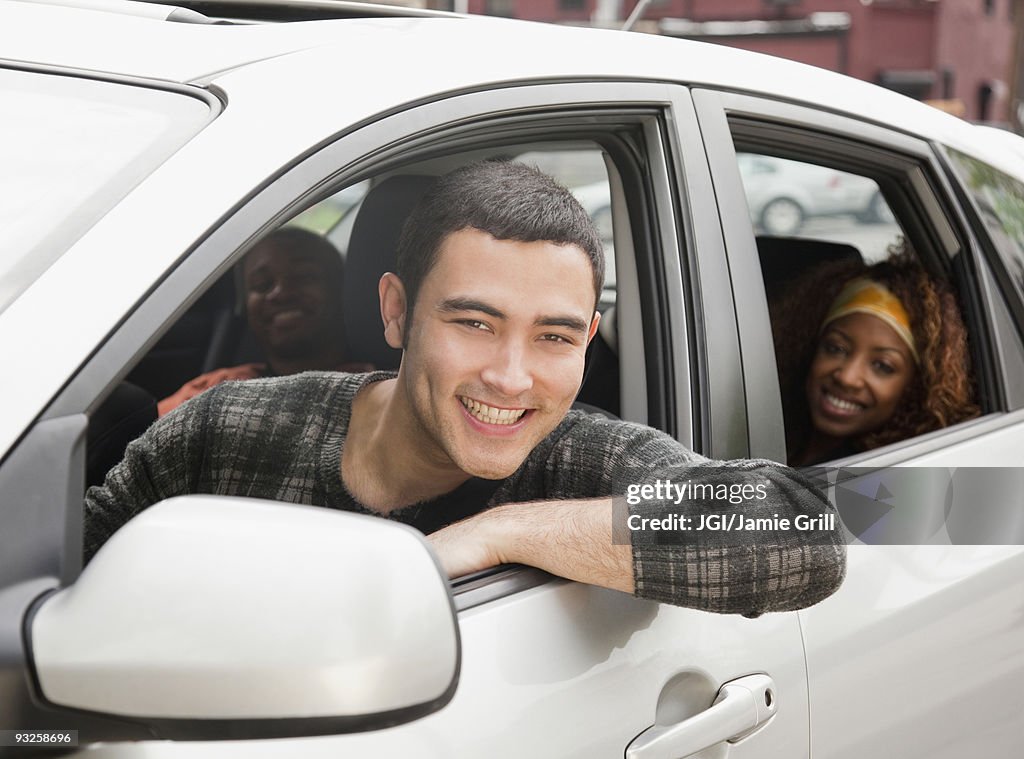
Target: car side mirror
(210, 617)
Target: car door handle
(741, 707)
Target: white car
(783, 194)
(145, 148)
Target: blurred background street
(962, 56)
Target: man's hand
(571, 539)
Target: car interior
(363, 221)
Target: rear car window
(1000, 201)
(70, 148)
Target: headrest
(371, 253)
(784, 259)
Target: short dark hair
(505, 199)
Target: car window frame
(390, 142)
(916, 186)
(1000, 290)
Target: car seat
(785, 259)
(371, 253)
(125, 414)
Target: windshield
(70, 148)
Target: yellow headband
(864, 296)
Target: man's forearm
(571, 539)
(769, 569)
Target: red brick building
(962, 52)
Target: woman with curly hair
(877, 354)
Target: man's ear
(593, 326)
(392, 309)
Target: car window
(817, 229)
(220, 338)
(71, 148)
(339, 208)
(1000, 199)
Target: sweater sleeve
(165, 461)
(749, 557)
(732, 545)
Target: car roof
(496, 49)
(486, 51)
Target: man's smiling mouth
(491, 415)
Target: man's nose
(508, 371)
(280, 290)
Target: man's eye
(555, 338)
(474, 324)
(259, 286)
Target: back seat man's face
(291, 302)
(495, 349)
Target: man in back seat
(292, 282)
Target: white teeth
(841, 404)
(491, 415)
(287, 315)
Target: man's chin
(491, 470)
(291, 347)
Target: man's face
(495, 349)
(290, 303)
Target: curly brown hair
(942, 391)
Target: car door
(917, 653)
(548, 667)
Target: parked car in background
(783, 194)
(147, 148)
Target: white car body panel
(945, 617)
(918, 654)
(522, 660)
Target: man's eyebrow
(451, 305)
(573, 323)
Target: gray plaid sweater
(282, 439)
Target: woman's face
(859, 374)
